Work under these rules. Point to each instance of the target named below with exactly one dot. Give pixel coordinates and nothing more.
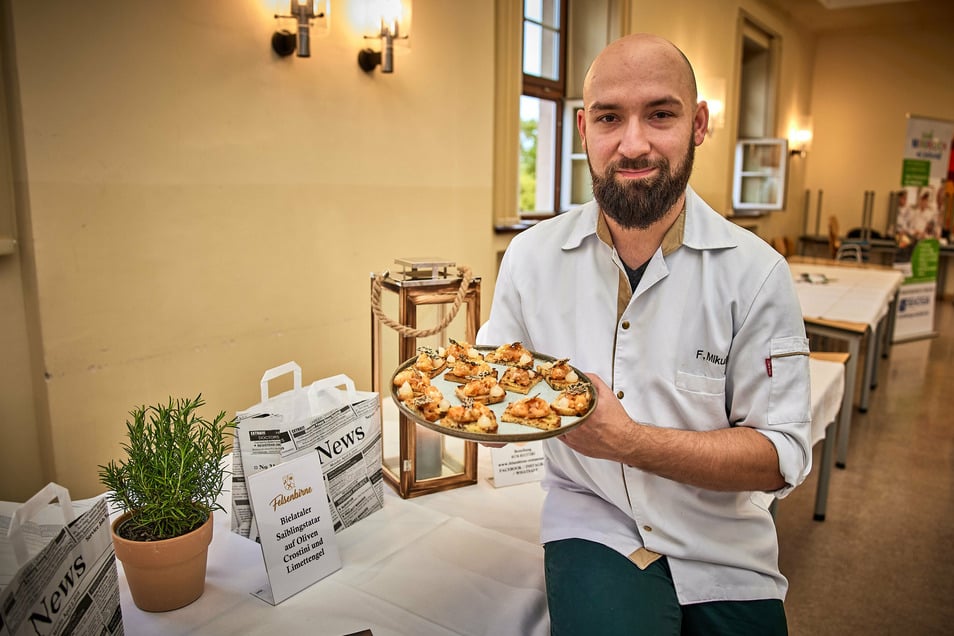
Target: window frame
(553, 91)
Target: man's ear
(581, 126)
(700, 123)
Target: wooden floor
(882, 562)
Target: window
(759, 181)
(542, 96)
(759, 175)
(543, 48)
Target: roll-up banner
(922, 202)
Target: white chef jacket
(712, 337)
(917, 222)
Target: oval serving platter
(506, 431)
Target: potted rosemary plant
(167, 487)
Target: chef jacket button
(648, 528)
(625, 324)
(619, 394)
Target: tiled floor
(883, 560)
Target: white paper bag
(328, 417)
(57, 575)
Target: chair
(850, 252)
(860, 233)
(834, 236)
(843, 250)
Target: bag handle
(333, 382)
(279, 371)
(32, 507)
(325, 385)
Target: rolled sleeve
(778, 397)
(789, 413)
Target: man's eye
(607, 118)
(661, 115)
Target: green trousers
(594, 590)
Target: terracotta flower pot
(168, 574)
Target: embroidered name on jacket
(708, 356)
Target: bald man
(656, 516)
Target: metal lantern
(416, 459)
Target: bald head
(640, 123)
(634, 56)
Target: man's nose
(634, 141)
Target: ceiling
(879, 14)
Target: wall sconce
(304, 11)
(388, 20)
(800, 137)
(712, 91)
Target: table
(461, 561)
(849, 301)
(813, 244)
(885, 250)
(831, 405)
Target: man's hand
(607, 432)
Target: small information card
(517, 463)
(294, 523)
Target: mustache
(637, 164)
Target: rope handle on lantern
(404, 330)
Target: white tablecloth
(464, 561)
(828, 388)
(852, 294)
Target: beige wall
(865, 86)
(199, 210)
(707, 32)
(203, 210)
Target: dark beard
(639, 204)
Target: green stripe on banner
(924, 261)
(915, 172)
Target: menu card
(295, 526)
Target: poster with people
(921, 222)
